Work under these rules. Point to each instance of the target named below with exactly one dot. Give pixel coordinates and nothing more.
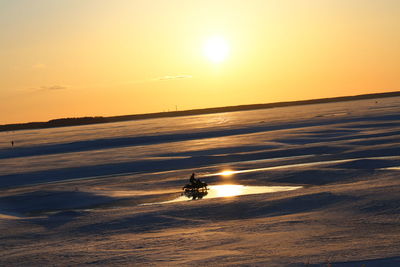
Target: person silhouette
(192, 179)
(12, 143)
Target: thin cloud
(47, 88)
(175, 77)
(53, 87)
(123, 83)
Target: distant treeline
(92, 120)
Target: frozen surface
(226, 190)
(75, 195)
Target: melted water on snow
(216, 191)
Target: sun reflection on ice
(231, 190)
(227, 190)
(226, 173)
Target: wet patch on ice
(397, 168)
(218, 191)
(378, 162)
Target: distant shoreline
(95, 120)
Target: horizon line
(76, 121)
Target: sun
(216, 49)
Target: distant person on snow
(193, 180)
(195, 184)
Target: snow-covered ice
(75, 195)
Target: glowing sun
(216, 49)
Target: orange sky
(72, 58)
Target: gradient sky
(72, 58)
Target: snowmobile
(195, 194)
(197, 186)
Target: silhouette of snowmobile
(195, 185)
